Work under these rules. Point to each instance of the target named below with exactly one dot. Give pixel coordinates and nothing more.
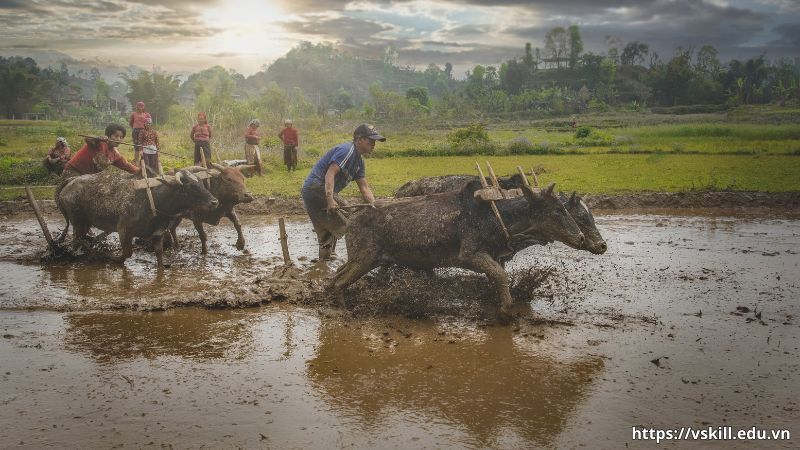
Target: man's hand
(332, 206)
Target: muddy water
(686, 321)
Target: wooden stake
(491, 203)
(284, 242)
(149, 193)
(535, 178)
(38, 213)
(524, 177)
(205, 164)
(495, 183)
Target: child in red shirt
(201, 135)
(136, 122)
(148, 139)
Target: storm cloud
(463, 32)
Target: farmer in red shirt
(136, 122)
(201, 135)
(251, 141)
(97, 154)
(289, 137)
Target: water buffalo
(575, 205)
(108, 201)
(228, 187)
(453, 229)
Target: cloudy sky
(190, 35)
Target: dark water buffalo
(230, 190)
(575, 205)
(109, 202)
(452, 229)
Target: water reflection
(490, 383)
(188, 332)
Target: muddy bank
(654, 200)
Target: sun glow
(248, 28)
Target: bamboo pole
(149, 193)
(284, 238)
(535, 178)
(494, 207)
(495, 183)
(524, 177)
(39, 217)
(207, 182)
(134, 146)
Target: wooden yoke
(205, 164)
(147, 183)
(149, 193)
(491, 202)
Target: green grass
(627, 152)
(602, 173)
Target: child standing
(136, 122)
(201, 135)
(148, 139)
(251, 140)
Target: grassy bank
(624, 152)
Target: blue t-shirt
(348, 160)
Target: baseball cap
(369, 131)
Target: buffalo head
(544, 220)
(190, 191)
(585, 220)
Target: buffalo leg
(79, 232)
(348, 273)
(158, 246)
(63, 234)
(482, 262)
(126, 240)
(234, 218)
(173, 235)
(198, 225)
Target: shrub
(583, 131)
(596, 138)
(519, 146)
(471, 135)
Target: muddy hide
(452, 229)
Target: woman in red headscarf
(136, 122)
(201, 135)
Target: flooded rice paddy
(687, 320)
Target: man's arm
(366, 192)
(123, 164)
(191, 133)
(330, 175)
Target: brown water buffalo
(109, 202)
(453, 229)
(228, 187)
(575, 205)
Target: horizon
(247, 35)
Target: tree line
(318, 80)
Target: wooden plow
(492, 193)
(148, 183)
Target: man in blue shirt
(328, 177)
